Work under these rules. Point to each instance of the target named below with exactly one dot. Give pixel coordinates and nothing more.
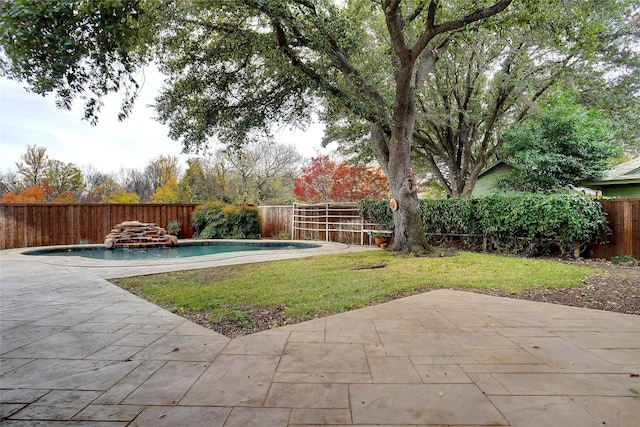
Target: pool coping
(116, 268)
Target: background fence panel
(624, 220)
(49, 224)
(275, 220)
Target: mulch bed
(616, 289)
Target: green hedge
(217, 220)
(561, 219)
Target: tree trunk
(409, 235)
(394, 158)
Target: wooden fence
(49, 224)
(41, 225)
(624, 220)
(275, 221)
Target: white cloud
(27, 119)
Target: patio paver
(77, 350)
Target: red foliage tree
(324, 180)
(34, 194)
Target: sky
(30, 119)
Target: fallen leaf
(535, 346)
(634, 375)
(176, 349)
(634, 391)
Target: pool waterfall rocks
(126, 268)
(135, 234)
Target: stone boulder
(135, 234)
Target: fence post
(326, 222)
(293, 223)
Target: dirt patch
(616, 289)
(250, 321)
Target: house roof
(496, 165)
(624, 173)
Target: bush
(625, 260)
(377, 210)
(173, 227)
(449, 216)
(217, 220)
(558, 220)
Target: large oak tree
(237, 66)
(498, 74)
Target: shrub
(558, 220)
(242, 222)
(217, 220)
(283, 235)
(449, 216)
(173, 227)
(625, 260)
(378, 210)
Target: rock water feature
(135, 234)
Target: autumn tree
(61, 182)
(236, 67)
(32, 166)
(323, 180)
(256, 174)
(104, 190)
(33, 194)
(202, 181)
(42, 193)
(158, 172)
(168, 193)
(65, 178)
(161, 170)
(121, 197)
(96, 184)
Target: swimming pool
(182, 250)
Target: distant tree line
(259, 174)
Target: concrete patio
(77, 350)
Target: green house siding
(621, 191)
(621, 181)
(486, 185)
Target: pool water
(183, 250)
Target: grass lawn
(306, 288)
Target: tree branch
(418, 10)
(395, 27)
(432, 30)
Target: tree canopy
(324, 180)
(498, 74)
(558, 147)
(236, 66)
